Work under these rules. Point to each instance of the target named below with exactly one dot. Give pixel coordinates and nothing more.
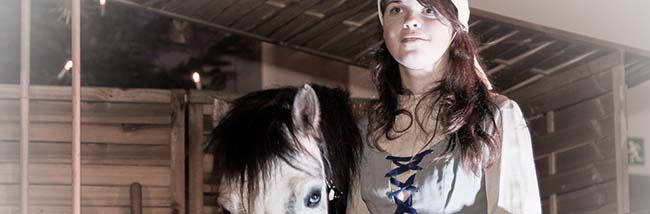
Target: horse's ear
(305, 111)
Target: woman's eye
(395, 10)
(429, 11)
(313, 199)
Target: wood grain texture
(89, 94)
(91, 133)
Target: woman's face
(415, 36)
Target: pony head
(268, 155)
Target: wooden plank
(565, 96)
(330, 21)
(195, 159)
(605, 147)
(620, 137)
(358, 40)
(41, 209)
(210, 10)
(207, 109)
(91, 133)
(91, 112)
(258, 16)
(588, 110)
(59, 174)
(562, 140)
(538, 125)
(219, 110)
(212, 210)
(89, 94)
(519, 71)
(596, 199)
(211, 200)
(208, 163)
(59, 195)
(557, 34)
(91, 153)
(580, 156)
(207, 97)
(637, 76)
(235, 11)
(561, 79)
(207, 124)
(309, 18)
(508, 46)
(336, 32)
(288, 13)
(555, 65)
(177, 151)
(541, 166)
(595, 173)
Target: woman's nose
(411, 22)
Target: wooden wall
(202, 116)
(127, 136)
(575, 119)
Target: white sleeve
(511, 182)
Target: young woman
(439, 140)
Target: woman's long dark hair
(467, 107)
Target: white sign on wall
(635, 151)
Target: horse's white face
(296, 187)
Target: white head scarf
(463, 16)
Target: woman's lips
(413, 39)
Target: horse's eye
(313, 199)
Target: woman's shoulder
(504, 103)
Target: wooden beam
(136, 198)
(549, 71)
(93, 133)
(91, 112)
(99, 94)
(559, 34)
(522, 56)
(177, 151)
(186, 17)
(100, 175)
(76, 106)
(195, 159)
(496, 41)
(98, 196)
(620, 132)
(91, 154)
(25, 60)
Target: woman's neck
(419, 81)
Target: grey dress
(508, 186)
(442, 186)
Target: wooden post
(25, 35)
(620, 123)
(177, 148)
(196, 158)
(552, 160)
(76, 106)
(136, 198)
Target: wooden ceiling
(515, 53)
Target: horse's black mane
(250, 137)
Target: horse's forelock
(253, 155)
